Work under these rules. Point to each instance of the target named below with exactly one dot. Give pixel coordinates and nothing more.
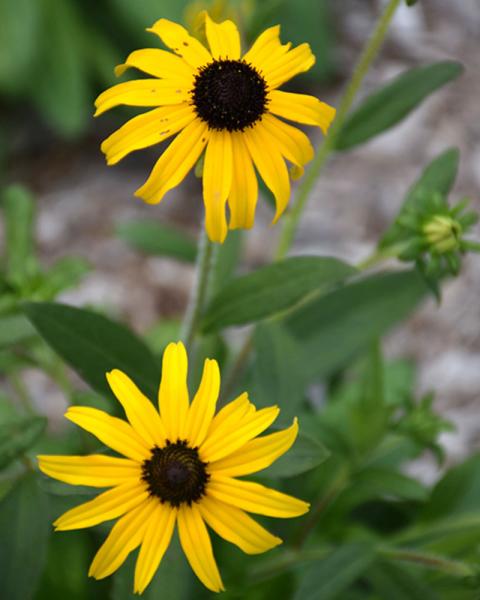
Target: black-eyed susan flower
(179, 467)
(223, 105)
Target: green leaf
(388, 106)
(305, 454)
(437, 177)
(19, 210)
(332, 576)
(17, 436)
(172, 581)
(15, 329)
(66, 575)
(93, 345)
(387, 482)
(20, 21)
(370, 401)
(60, 86)
(24, 531)
(275, 379)
(397, 583)
(271, 289)
(334, 327)
(157, 239)
(457, 492)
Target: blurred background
(57, 55)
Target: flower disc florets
(229, 94)
(175, 473)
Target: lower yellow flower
(180, 468)
(221, 104)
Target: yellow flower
(223, 103)
(180, 467)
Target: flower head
(224, 105)
(179, 467)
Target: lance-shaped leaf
(437, 177)
(24, 531)
(334, 327)
(271, 289)
(93, 344)
(393, 102)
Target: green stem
(303, 193)
(432, 561)
(198, 297)
(22, 393)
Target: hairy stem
(432, 561)
(198, 298)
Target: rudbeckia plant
(275, 460)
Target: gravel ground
(81, 201)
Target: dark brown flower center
(229, 94)
(175, 473)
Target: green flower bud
(431, 233)
(443, 234)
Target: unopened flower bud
(442, 233)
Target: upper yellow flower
(224, 103)
(181, 466)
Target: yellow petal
(292, 143)
(228, 439)
(302, 109)
(173, 393)
(96, 470)
(141, 413)
(113, 432)
(278, 70)
(230, 415)
(203, 405)
(217, 181)
(255, 498)
(176, 38)
(197, 546)
(270, 165)
(256, 454)
(265, 48)
(235, 526)
(146, 130)
(109, 505)
(158, 63)
(174, 164)
(244, 192)
(223, 39)
(125, 536)
(155, 543)
(143, 92)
